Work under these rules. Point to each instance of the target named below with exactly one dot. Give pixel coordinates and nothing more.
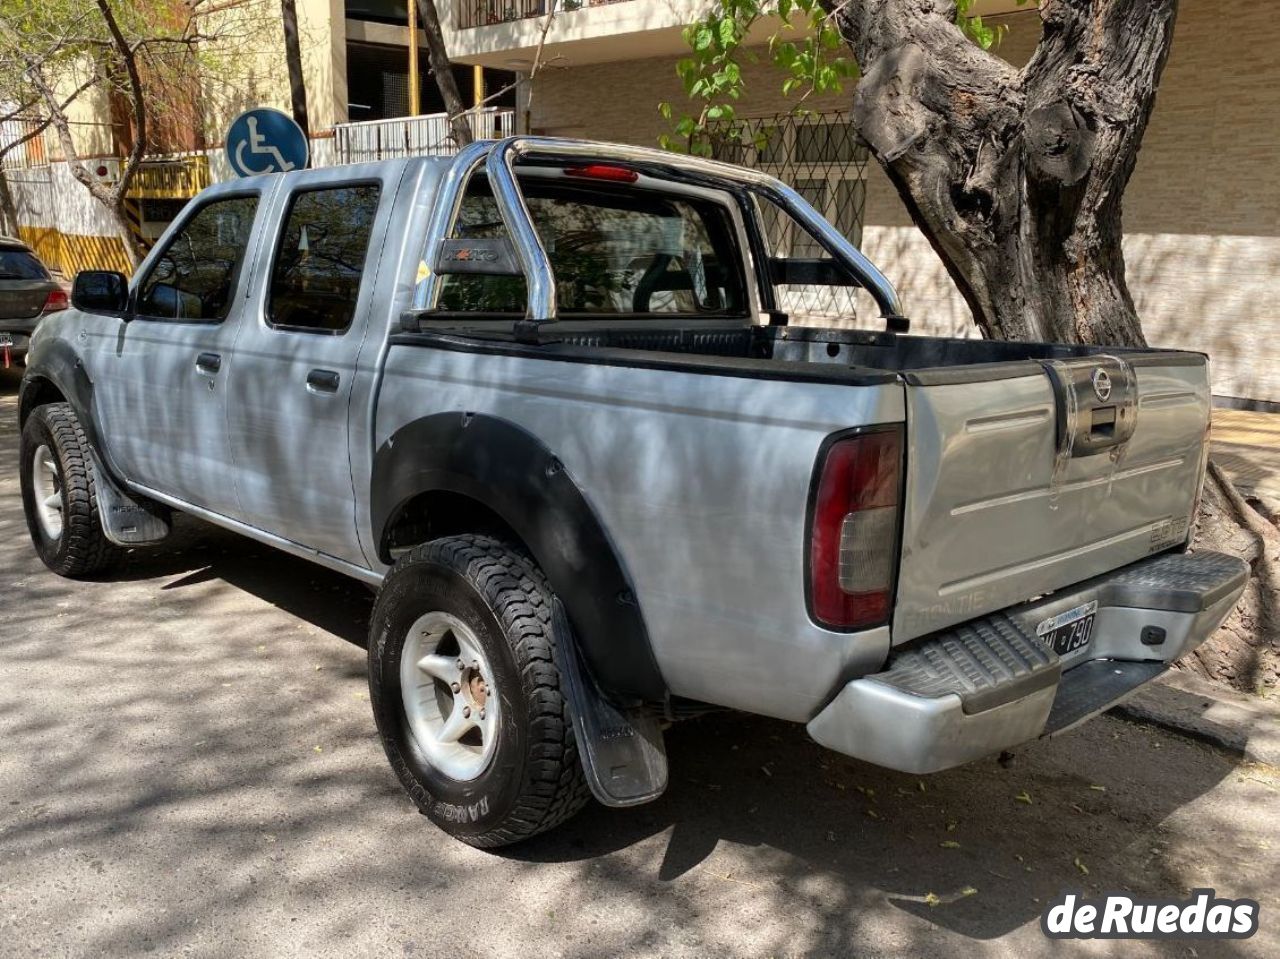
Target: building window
(820, 156)
(378, 84)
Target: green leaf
(728, 32)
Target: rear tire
(58, 494)
(486, 604)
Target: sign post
(265, 140)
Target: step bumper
(990, 684)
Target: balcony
(505, 34)
(482, 13)
(414, 136)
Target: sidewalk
(1248, 726)
(1247, 447)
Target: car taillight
(853, 532)
(57, 300)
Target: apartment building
(1202, 215)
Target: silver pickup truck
(554, 401)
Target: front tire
(58, 494)
(466, 695)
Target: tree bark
(293, 59)
(438, 59)
(8, 209)
(1016, 176)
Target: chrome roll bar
(500, 156)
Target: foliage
(147, 62)
(805, 45)
(185, 50)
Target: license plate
(6, 339)
(1069, 631)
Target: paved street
(1247, 446)
(188, 766)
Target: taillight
(853, 531)
(57, 300)
(603, 171)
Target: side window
(194, 278)
(321, 258)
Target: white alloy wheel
(46, 483)
(449, 696)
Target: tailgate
(22, 299)
(1026, 477)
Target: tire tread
(87, 550)
(555, 787)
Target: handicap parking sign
(266, 141)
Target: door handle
(208, 363)
(323, 381)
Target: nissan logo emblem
(1101, 385)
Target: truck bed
(1000, 504)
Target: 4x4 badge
(1101, 384)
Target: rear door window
(321, 258)
(21, 265)
(615, 253)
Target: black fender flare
(59, 365)
(511, 472)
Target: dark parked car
(27, 294)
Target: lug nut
(466, 712)
(457, 688)
(482, 714)
(461, 664)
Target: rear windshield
(615, 252)
(21, 265)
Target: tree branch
(43, 124)
(138, 104)
(442, 68)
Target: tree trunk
(8, 209)
(438, 58)
(293, 59)
(1015, 176)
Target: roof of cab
(334, 174)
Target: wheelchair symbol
(265, 140)
(258, 144)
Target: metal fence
(24, 155)
(481, 13)
(822, 158)
(415, 136)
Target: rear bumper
(21, 341)
(987, 685)
(20, 332)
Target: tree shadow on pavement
(992, 844)
(187, 756)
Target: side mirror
(101, 291)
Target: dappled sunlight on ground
(188, 763)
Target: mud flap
(622, 750)
(125, 520)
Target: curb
(1248, 726)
